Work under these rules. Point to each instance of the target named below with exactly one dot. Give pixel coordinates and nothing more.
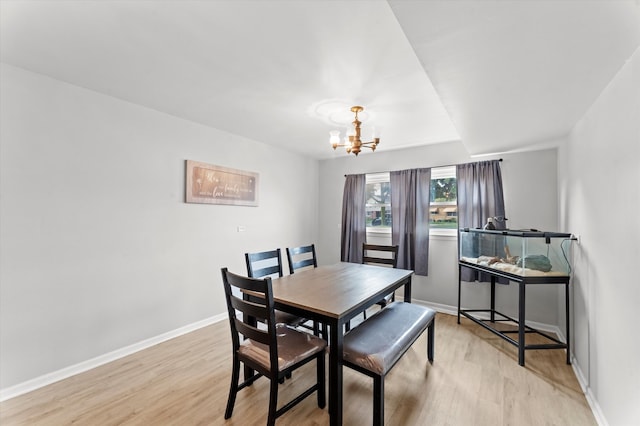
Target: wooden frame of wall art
(210, 184)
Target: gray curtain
(479, 198)
(354, 231)
(410, 218)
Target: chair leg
(378, 401)
(431, 335)
(235, 376)
(273, 402)
(320, 371)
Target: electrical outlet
(242, 228)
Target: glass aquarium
(518, 252)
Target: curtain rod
(432, 167)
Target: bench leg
(431, 337)
(378, 401)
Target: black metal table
(523, 329)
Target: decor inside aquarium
(523, 253)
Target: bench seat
(378, 343)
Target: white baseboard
(55, 376)
(438, 307)
(586, 389)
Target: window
(378, 202)
(443, 211)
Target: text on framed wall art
(209, 184)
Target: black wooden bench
(378, 343)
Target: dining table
(333, 295)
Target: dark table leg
(568, 330)
(493, 299)
(335, 373)
(521, 325)
(407, 290)
(459, 288)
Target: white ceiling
(499, 75)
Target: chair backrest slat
(391, 257)
(253, 333)
(253, 306)
(265, 272)
(301, 257)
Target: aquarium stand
(495, 317)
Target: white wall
(98, 249)
(599, 190)
(531, 202)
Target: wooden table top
(334, 290)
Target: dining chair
(381, 255)
(273, 352)
(269, 264)
(300, 258)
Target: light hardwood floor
(475, 380)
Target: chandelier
(352, 140)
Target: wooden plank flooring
(475, 380)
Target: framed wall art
(209, 184)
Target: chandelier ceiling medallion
(352, 140)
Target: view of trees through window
(378, 200)
(443, 209)
(443, 190)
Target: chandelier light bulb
(334, 140)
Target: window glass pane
(444, 190)
(378, 201)
(443, 211)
